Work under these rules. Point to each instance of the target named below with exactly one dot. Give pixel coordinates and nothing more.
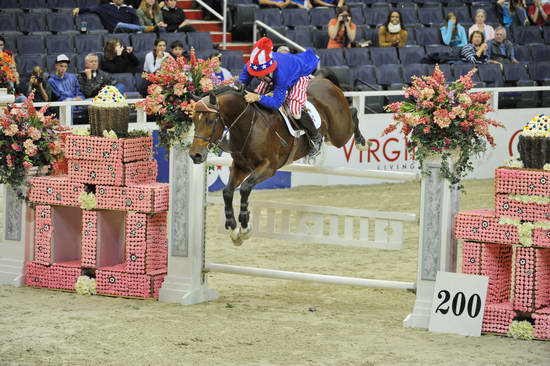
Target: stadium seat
(365, 80)
(143, 42)
(430, 16)
(381, 4)
(301, 36)
(383, 55)
(331, 57)
(140, 83)
(243, 15)
(428, 36)
(523, 53)
(30, 44)
(63, 4)
(10, 6)
(232, 59)
(141, 57)
(60, 43)
(370, 35)
(515, 72)
(527, 99)
(203, 54)
(528, 35)
(8, 24)
(50, 63)
(546, 31)
(491, 75)
(388, 74)
(33, 5)
(411, 54)
(34, 23)
(199, 40)
(268, 33)
(319, 17)
(169, 38)
(124, 38)
(489, 10)
(358, 13)
(344, 76)
(11, 43)
(377, 16)
(86, 43)
(446, 69)
(463, 69)
(410, 15)
(271, 17)
(320, 38)
(295, 17)
(462, 14)
(357, 56)
(411, 70)
(61, 23)
(27, 63)
(128, 80)
(540, 71)
(540, 53)
(93, 23)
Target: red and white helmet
(261, 61)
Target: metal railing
(275, 33)
(221, 17)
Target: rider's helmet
(261, 61)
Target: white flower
(85, 286)
(514, 163)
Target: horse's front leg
(236, 176)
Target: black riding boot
(315, 137)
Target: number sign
(458, 303)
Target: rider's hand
(251, 97)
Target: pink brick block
(532, 279)
(482, 225)
(157, 279)
(146, 242)
(522, 181)
(519, 210)
(112, 280)
(37, 275)
(113, 173)
(151, 197)
(542, 323)
(89, 239)
(64, 275)
(542, 278)
(57, 190)
(471, 258)
(139, 285)
(541, 238)
(497, 318)
(103, 149)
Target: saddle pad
(313, 113)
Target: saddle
(292, 125)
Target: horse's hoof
(236, 237)
(362, 146)
(246, 232)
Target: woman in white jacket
(154, 59)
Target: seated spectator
(283, 49)
(17, 85)
(3, 46)
(475, 52)
(64, 85)
(177, 50)
(281, 4)
(487, 30)
(154, 59)
(175, 19)
(500, 50)
(392, 34)
(512, 12)
(331, 3)
(118, 59)
(221, 72)
(38, 86)
(302, 4)
(539, 12)
(341, 30)
(92, 79)
(116, 17)
(453, 34)
(150, 15)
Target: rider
(287, 77)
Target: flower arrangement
(521, 330)
(6, 73)
(28, 139)
(169, 95)
(85, 286)
(445, 120)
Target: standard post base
(420, 317)
(178, 290)
(11, 272)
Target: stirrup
(315, 145)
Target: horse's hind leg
(236, 176)
(360, 142)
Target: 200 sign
(458, 304)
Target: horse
(260, 142)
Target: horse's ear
(213, 99)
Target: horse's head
(208, 127)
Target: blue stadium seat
(61, 23)
(271, 17)
(430, 16)
(141, 57)
(491, 75)
(10, 6)
(85, 3)
(63, 4)
(381, 4)
(34, 23)
(411, 70)
(370, 35)
(143, 42)
(528, 35)
(169, 38)
(331, 57)
(358, 13)
(383, 55)
(540, 53)
(60, 43)
(410, 15)
(540, 71)
(301, 36)
(462, 13)
(411, 34)
(320, 17)
(27, 63)
(445, 68)
(428, 36)
(365, 75)
(93, 23)
(344, 76)
(30, 44)
(411, 54)
(389, 74)
(463, 69)
(515, 72)
(33, 5)
(546, 31)
(198, 40)
(377, 16)
(11, 43)
(295, 17)
(320, 38)
(86, 43)
(357, 56)
(124, 38)
(8, 24)
(523, 53)
(128, 80)
(489, 10)
(232, 59)
(50, 63)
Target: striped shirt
(468, 54)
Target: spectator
(475, 52)
(393, 33)
(116, 16)
(331, 3)
(154, 59)
(64, 85)
(38, 86)
(453, 34)
(16, 85)
(500, 50)
(177, 49)
(119, 59)
(512, 12)
(221, 73)
(92, 79)
(3, 46)
(274, 3)
(175, 19)
(487, 30)
(150, 15)
(539, 12)
(283, 49)
(301, 4)
(341, 30)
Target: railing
(275, 33)
(221, 17)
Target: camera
(345, 18)
(38, 78)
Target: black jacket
(173, 18)
(127, 62)
(91, 87)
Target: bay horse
(260, 142)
